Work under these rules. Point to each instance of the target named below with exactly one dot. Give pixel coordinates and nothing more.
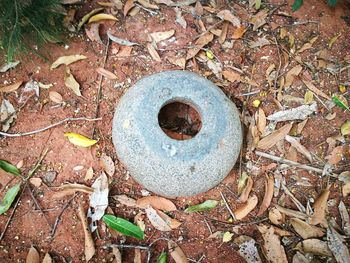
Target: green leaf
(123, 226)
(297, 4)
(10, 168)
(257, 4)
(340, 101)
(332, 2)
(207, 205)
(162, 258)
(8, 198)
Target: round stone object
(167, 166)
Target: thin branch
(48, 127)
(227, 206)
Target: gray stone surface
(171, 167)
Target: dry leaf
(344, 218)
(55, 97)
(67, 60)
(247, 249)
(137, 257)
(200, 43)
(93, 32)
(299, 147)
(153, 52)
(336, 155)
(173, 223)
(308, 45)
(272, 245)
(244, 210)
(320, 206)
(300, 258)
(278, 135)
(138, 220)
(269, 186)
(262, 41)
(79, 140)
(260, 118)
(120, 41)
(76, 187)
(298, 113)
(106, 73)
(71, 83)
(89, 174)
(160, 36)
(276, 217)
(128, 6)
(228, 16)
(146, 4)
(107, 164)
(259, 19)
(223, 34)
(336, 245)
(125, 200)
(117, 255)
(157, 202)
(306, 230)
(32, 256)
(156, 220)
(100, 17)
(12, 87)
(231, 76)
(181, 62)
(179, 18)
(89, 242)
(291, 213)
(239, 32)
(314, 246)
(291, 74)
(47, 258)
(246, 191)
(315, 90)
(176, 252)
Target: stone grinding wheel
(172, 167)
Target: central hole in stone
(180, 121)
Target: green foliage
(207, 205)
(9, 198)
(332, 2)
(298, 3)
(123, 226)
(25, 23)
(10, 168)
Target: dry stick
(227, 206)
(58, 218)
(291, 163)
(99, 89)
(48, 127)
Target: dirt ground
(69, 163)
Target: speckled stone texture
(172, 167)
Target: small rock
(49, 177)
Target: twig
(291, 163)
(209, 228)
(48, 127)
(227, 206)
(151, 12)
(58, 218)
(38, 163)
(99, 89)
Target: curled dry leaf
(89, 242)
(87, 16)
(278, 135)
(239, 32)
(157, 202)
(125, 200)
(291, 74)
(47, 258)
(153, 52)
(99, 17)
(228, 16)
(106, 73)
(93, 32)
(314, 246)
(67, 60)
(76, 187)
(161, 36)
(107, 164)
(176, 252)
(337, 246)
(269, 185)
(156, 220)
(128, 6)
(200, 43)
(247, 249)
(272, 245)
(12, 87)
(55, 97)
(71, 82)
(299, 147)
(260, 120)
(244, 210)
(259, 19)
(79, 140)
(276, 217)
(320, 206)
(306, 230)
(246, 191)
(291, 212)
(32, 256)
(298, 113)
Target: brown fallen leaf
(272, 245)
(32, 256)
(153, 52)
(180, 62)
(200, 43)
(156, 220)
(246, 190)
(231, 76)
(315, 90)
(138, 220)
(55, 97)
(306, 230)
(161, 36)
(314, 246)
(67, 60)
(147, 4)
(291, 74)
(260, 119)
(47, 258)
(300, 258)
(93, 32)
(223, 34)
(308, 45)
(128, 6)
(278, 135)
(157, 202)
(244, 210)
(320, 206)
(176, 252)
(106, 73)
(291, 212)
(239, 32)
(12, 87)
(137, 257)
(179, 18)
(276, 217)
(125, 200)
(336, 245)
(259, 19)
(228, 16)
(336, 155)
(107, 164)
(89, 242)
(76, 187)
(344, 218)
(71, 82)
(299, 147)
(117, 255)
(269, 185)
(173, 223)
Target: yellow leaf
(342, 88)
(345, 128)
(79, 140)
(308, 97)
(256, 103)
(100, 17)
(227, 237)
(333, 39)
(71, 83)
(209, 54)
(67, 60)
